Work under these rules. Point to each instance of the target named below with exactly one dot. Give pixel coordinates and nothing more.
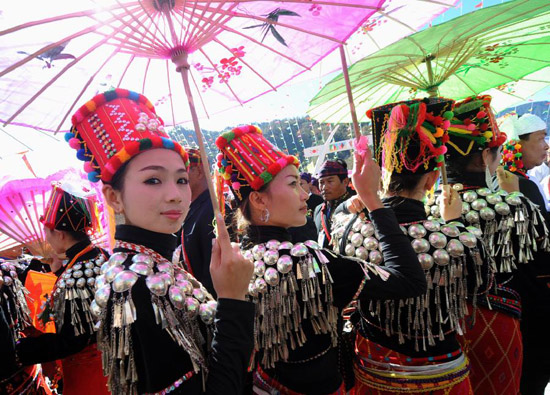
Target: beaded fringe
(443, 251)
(288, 293)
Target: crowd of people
(425, 271)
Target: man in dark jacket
(198, 228)
(314, 200)
(333, 183)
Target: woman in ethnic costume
(300, 289)
(14, 319)
(160, 330)
(514, 234)
(409, 345)
(68, 221)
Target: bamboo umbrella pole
(182, 67)
(350, 95)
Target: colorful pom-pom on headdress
(410, 136)
(68, 212)
(473, 127)
(114, 127)
(512, 157)
(248, 161)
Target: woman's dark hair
(458, 164)
(243, 215)
(403, 182)
(117, 182)
(78, 236)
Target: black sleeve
(198, 246)
(52, 346)
(401, 276)
(206, 232)
(7, 344)
(231, 347)
(532, 191)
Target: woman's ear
(113, 198)
(431, 179)
(257, 201)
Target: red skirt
(372, 378)
(265, 384)
(495, 350)
(28, 380)
(83, 373)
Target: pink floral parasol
(226, 52)
(22, 203)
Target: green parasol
(463, 57)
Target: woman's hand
(507, 181)
(230, 271)
(366, 177)
(354, 205)
(450, 204)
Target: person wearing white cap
(526, 149)
(541, 175)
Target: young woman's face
(156, 193)
(286, 199)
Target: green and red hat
(473, 127)
(248, 161)
(114, 127)
(69, 212)
(410, 136)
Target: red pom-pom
(74, 143)
(221, 142)
(123, 92)
(481, 115)
(369, 114)
(257, 183)
(437, 120)
(445, 138)
(484, 126)
(132, 148)
(467, 121)
(274, 168)
(99, 100)
(88, 167)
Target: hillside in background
(291, 135)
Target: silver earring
(265, 215)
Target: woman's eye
(152, 181)
(183, 181)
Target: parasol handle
(182, 67)
(444, 174)
(356, 129)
